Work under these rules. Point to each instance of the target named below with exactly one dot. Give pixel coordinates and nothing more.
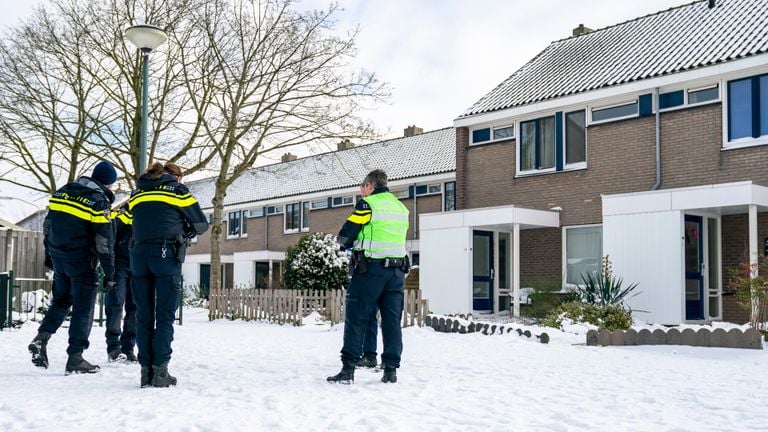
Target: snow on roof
(401, 158)
(675, 40)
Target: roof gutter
(658, 141)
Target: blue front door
(482, 270)
(694, 260)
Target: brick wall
(540, 257)
(735, 246)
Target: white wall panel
(647, 248)
(445, 269)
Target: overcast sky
(438, 56)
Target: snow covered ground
(260, 377)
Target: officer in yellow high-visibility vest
(376, 231)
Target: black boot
(130, 357)
(115, 356)
(390, 375)
(77, 364)
(161, 377)
(367, 362)
(146, 376)
(38, 349)
(346, 376)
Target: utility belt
(177, 245)
(360, 263)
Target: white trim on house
(743, 67)
(446, 251)
(565, 286)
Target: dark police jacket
(122, 220)
(163, 209)
(78, 224)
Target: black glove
(48, 262)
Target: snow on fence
(291, 306)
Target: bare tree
(70, 90)
(279, 78)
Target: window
(257, 212)
(615, 112)
(402, 193)
(428, 189)
(435, 188)
(297, 216)
(209, 216)
(321, 204)
(449, 199)
(688, 97)
(575, 137)
(305, 215)
(583, 252)
(421, 190)
(274, 210)
(748, 108)
(491, 134)
(236, 223)
(537, 144)
(343, 201)
(262, 275)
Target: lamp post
(146, 38)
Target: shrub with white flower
(316, 262)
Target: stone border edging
(720, 338)
(453, 325)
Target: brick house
(269, 208)
(645, 141)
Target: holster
(405, 267)
(360, 265)
(180, 248)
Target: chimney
(712, 4)
(288, 157)
(581, 30)
(345, 144)
(412, 131)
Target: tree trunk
(216, 234)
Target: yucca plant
(605, 288)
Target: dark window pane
(450, 196)
(233, 223)
(244, 222)
(528, 145)
(575, 137)
(614, 112)
(481, 135)
(669, 100)
(705, 95)
(292, 216)
(547, 143)
(740, 109)
(421, 190)
(763, 105)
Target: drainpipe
(266, 228)
(658, 143)
(413, 235)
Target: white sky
(439, 56)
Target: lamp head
(145, 37)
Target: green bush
(611, 317)
(316, 262)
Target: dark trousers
(371, 334)
(382, 287)
(120, 338)
(156, 287)
(75, 284)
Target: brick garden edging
(733, 338)
(455, 325)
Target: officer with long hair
(165, 216)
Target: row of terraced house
(646, 141)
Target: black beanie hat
(104, 173)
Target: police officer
(165, 215)
(120, 341)
(369, 341)
(78, 235)
(376, 231)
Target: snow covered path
(259, 377)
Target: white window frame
(687, 90)
(320, 207)
(564, 259)
(427, 193)
(491, 131)
(518, 146)
(300, 205)
(263, 212)
(343, 199)
(741, 142)
(591, 108)
(402, 193)
(576, 165)
(442, 195)
(240, 232)
(279, 209)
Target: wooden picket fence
(285, 306)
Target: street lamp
(146, 38)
